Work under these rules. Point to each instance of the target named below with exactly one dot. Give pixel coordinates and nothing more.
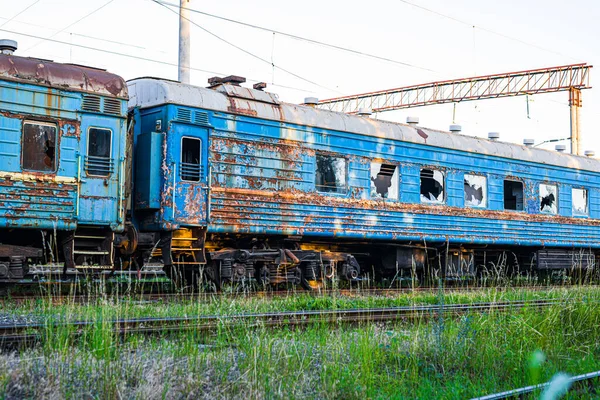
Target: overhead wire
(74, 23)
(135, 57)
(486, 29)
(19, 13)
(78, 34)
(297, 37)
(248, 52)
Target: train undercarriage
(191, 259)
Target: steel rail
(530, 389)
(151, 296)
(11, 334)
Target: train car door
(189, 146)
(100, 169)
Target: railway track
(158, 297)
(19, 334)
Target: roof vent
(455, 128)
(233, 80)
(494, 135)
(528, 142)
(259, 85)
(8, 46)
(364, 112)
(311, 101)
(560, 148)
(412, 120)
(589, 153)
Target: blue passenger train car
(63, 170)
(279, 191)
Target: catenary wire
(137, 57)
(486, 29)
(248, 52)
(290, 35)
(19, 13)
(77, 34)
(76, 22)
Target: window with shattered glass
(580, 202)
(548, 199)
(39, 146)
(330, 174)
(475, 190)
(513, 195)
(432, 186)
(384, 181)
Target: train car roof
(150, 92)
(62, 76)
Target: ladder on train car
(186, 248)
(89, 248)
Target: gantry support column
(575, 105)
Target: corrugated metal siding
(37, 204)
(289, 216)
(247, 154)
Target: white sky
(548, 33)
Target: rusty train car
(278, 192)
(63, 170)
(229, 183)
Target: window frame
(110, 150)
(199, 140)
(555, 200)
(445, 183)
(56, 147)
(485, 193)
(396, 173)
(504, 198)
(346, 174)
(587, 200)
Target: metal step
(91, 253)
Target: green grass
(134, 306)
(443, 359)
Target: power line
(357, 52)
(486, 29)
(77, 34)
(136, 57)
(76, 22)
(246, 51)
(20, 12)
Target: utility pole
(575, 105)
(184, 41)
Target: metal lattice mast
(572, 78)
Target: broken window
(548, 199)
(580, 202)
(190, 159)
(99, 162)
(384, 181)
(330, 174)
(432, 186)
(39, 146)
(513, 195)
(475, 190)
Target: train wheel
(211, 271)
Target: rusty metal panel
(29, 201)
(61, 76)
